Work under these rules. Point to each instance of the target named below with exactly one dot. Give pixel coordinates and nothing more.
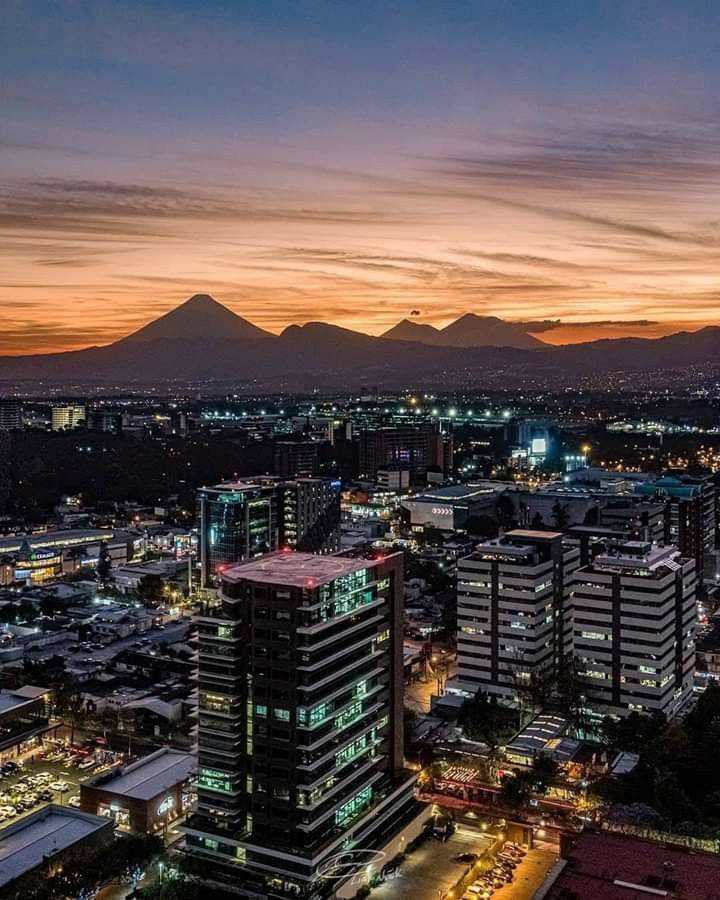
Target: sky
(359, 163)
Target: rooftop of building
(618, 867)
(536, 735)
(16, 699)
(531, 534)
(296, 569)
(27, 843)
(148, 777)
(454, 492)
(639, 556)
(57, 538)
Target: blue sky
(353, 161)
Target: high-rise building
(242, 520)
(513, 630)
(413, 447)
(11, 414)
(105, 421)
(309, 514)
(637, 520)
(67, 416)
(691, 523)
(294, 459)
(300, 747)
(633, 613)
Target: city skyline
(314, 162)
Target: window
(282, 714)
(261, 709)
(214, 780)
(351, 713)
(357, 748)
(353, 807)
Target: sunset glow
(303, 161)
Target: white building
(513, 630)
(67, 417)
(633, 622)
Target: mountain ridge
(469, 330)
(202, 339)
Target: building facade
(11, 414)
(293, 459)
(300, 740)
(413, 447)
(691, 516)
(243, 520)
(513, 628)
(67, 416)
(634, 617)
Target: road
(418, 694)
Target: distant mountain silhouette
(203, 340)
(199, 317)
(414, 331)
(467, 331)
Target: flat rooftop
(296, 569)
(60, 538)
(454, 492)
(150, 777)
(10, 700)
(530, 534)
(617, 867)
(24, 845)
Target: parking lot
(38, 781)
(431, 870)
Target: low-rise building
(145, 796)
(46, 840)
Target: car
(46, 796)
(60, 786)
(465, 858)
(74, 801)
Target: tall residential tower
(301, 716)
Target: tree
(104, 565)
(70, 705)
(543, 773)
(505, 510)
(561, 517)
(150, 589)
(481, 526)
(515, 791)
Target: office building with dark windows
(11, 414)
(690, 520)
(245, 519)
(300, 739)
(414, 447)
